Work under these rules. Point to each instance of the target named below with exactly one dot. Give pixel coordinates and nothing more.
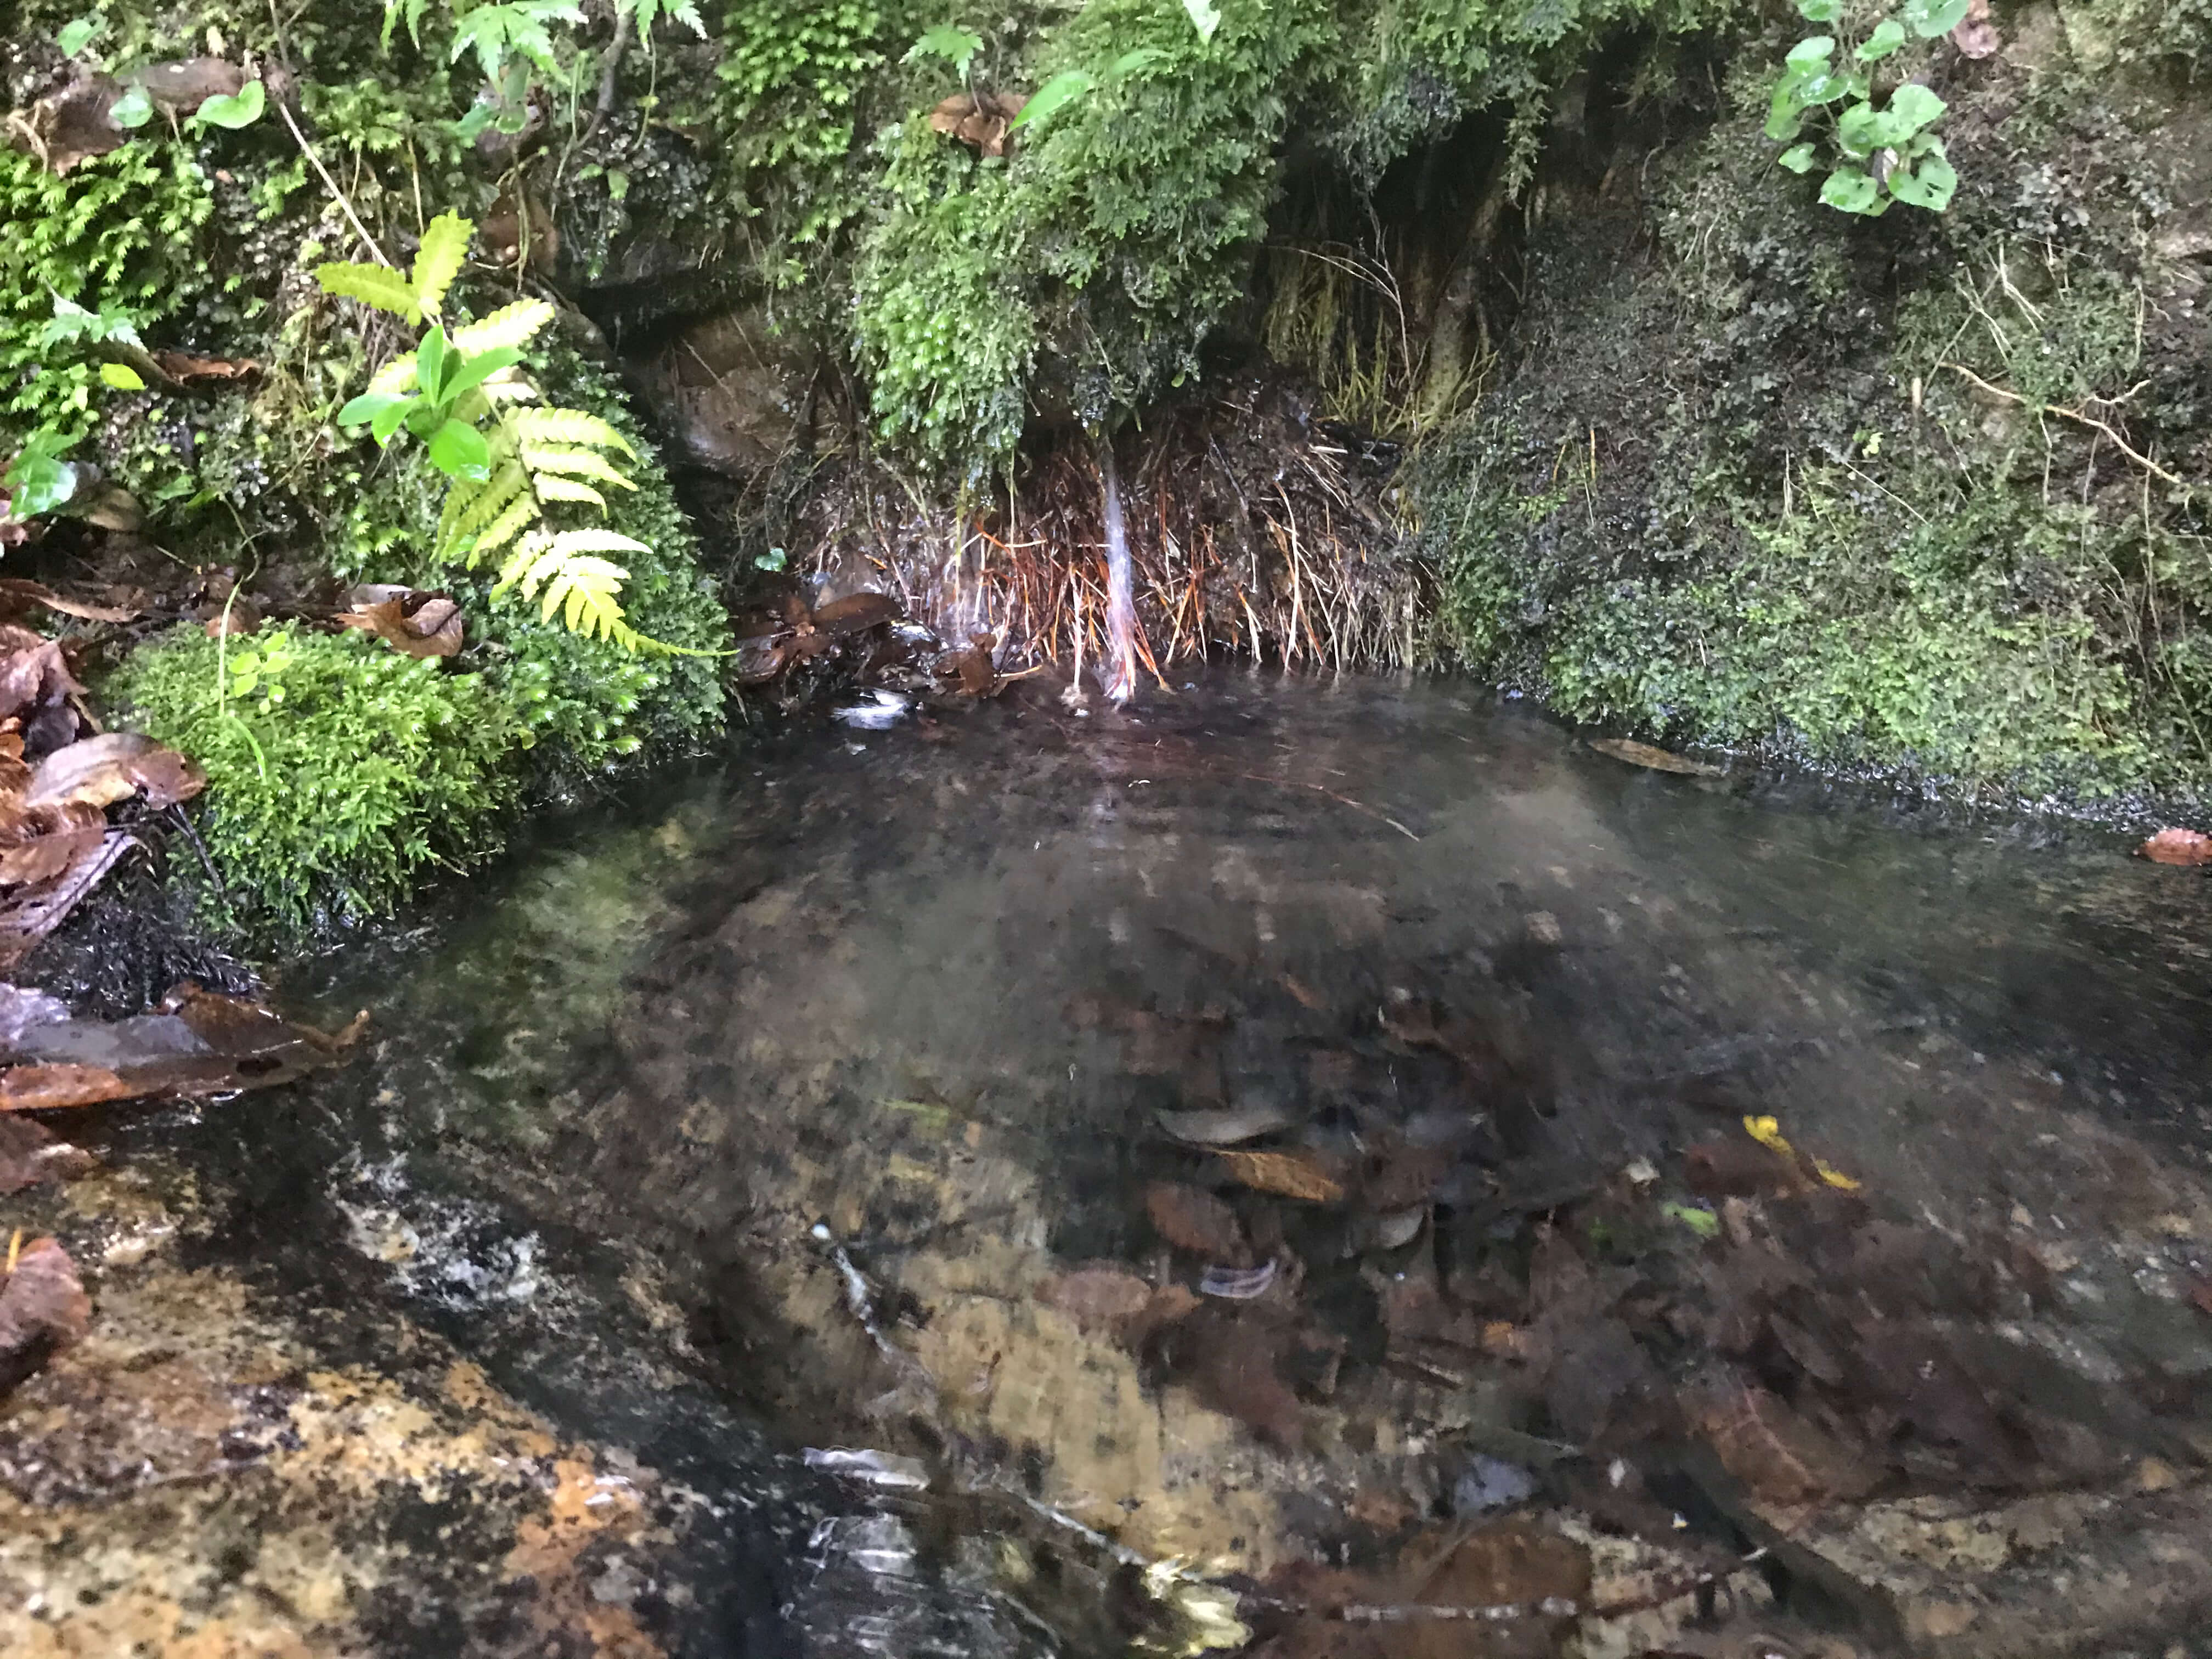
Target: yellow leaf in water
(1835, 1177)
(1767, 1131)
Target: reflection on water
(1252, 1131)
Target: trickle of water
(1120, 605)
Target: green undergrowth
(205, 239)
(375, 770)
(1783, 480)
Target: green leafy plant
(510, 467)
(1069, 85)
(1875, 155)
(949, 41)
(37, 479)
(232, 110)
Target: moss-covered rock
(339, 777)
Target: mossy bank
(1925, 496)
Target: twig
(2076, 415)
(331, 185)
(1341, 800)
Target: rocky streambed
(1326, 1169)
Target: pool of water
(1265, 1129)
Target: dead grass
(1249, 535)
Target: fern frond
(570, 425)
(576, 461)
(438, 260)
(471, 507)
(396, 376)
(513, 324)
(372, 285)
(552, 487)
(520, 514)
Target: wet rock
(731, 391)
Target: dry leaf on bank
(418, 624)
(17, 592)
(198, 1043)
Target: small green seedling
(1875, 155)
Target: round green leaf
(77, 34)
(1889, 35)
(122, 377)
(1911, 107)
(458, 450)
(1798, 158)
(1931, 185)
(1929, 18)
(1786, 116)
(241, 109)
(1820, 11)
(1811, 54)
(1851, 191)
(130, 111)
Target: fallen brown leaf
(980, 122)
(184, 369)
(43, 1309)
(1975, 36)
(1773, 1450)
(1098, 1298)
(2200, 1296)
(100, 771)
(854, 613)
(16, 592)
(198, 1043)
(49, 856)
(32, 912)
(419, 624)
(30, 1153)
(2177, 846)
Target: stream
(1001, 1180)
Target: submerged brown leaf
(31, 912)
(30, 1153)
(1658, 760)
(1782, 1458)
(2178, 846)
(1293, 1174)
(1197, 1221)
(1103, 1298)
(43, 1309)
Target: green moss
(118, 230)
(374, 770)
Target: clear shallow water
(922, 997)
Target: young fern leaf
(372, 285)
(556, 489)
(574, 461)
(438, 260)
(515, 324)
(568, 426)
(563, 573)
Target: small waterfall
(1121, 603)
